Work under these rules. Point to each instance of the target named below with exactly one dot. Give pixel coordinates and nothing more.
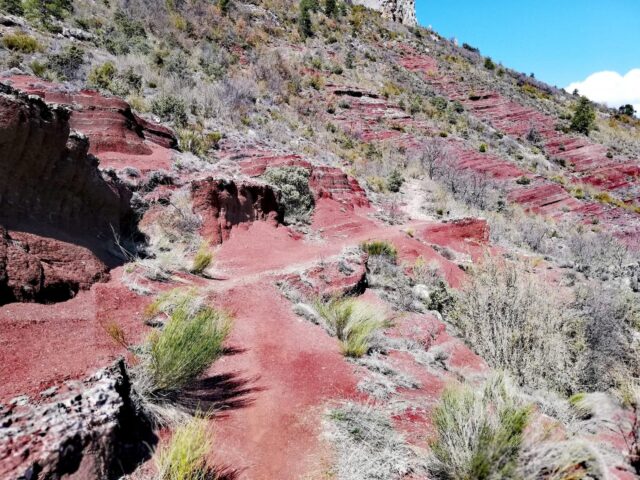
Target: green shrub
(584, 118)
(295, 195)
(187, 345)
(331, 8)
(14, 7)
(351, 322)
(483, 148)
(43, 10)
(101, 76)
(488, 64)
(395, 181)
(184, 456)
(380, 247)
(479, 432)
(21, 42)
(523, 180)
(202, 259)
(66, 63)
(170, 108)
(305, 26)
(38, 68)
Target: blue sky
(561, 41)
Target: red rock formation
(223, 204)
(466, 229)
(58, 215)
(118, 136)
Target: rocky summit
(306, 240)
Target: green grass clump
(380, 247)
(480, 432)
(187, 345)
(184, 456)
(21, 42)
(352, 322)
(202, 260)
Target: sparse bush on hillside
(381, 248)
(611, 344)
(480, 433)
(101, 76)
(474, 189)
(67, 62)
(305, 27)
(515, 322)
(395, 181)
(170, 108)
(434, 152)
(368, 446)
(488, 64)
(202, 259)
(597, 254)
(352, 322)
(14, 7)
(184, 456)
(43, 11)
(584, 118)
(293, 184)
(21, 42)
(190, 340)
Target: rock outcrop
(89, 430)
(223, 204)
(402, 11)
(59, 215)
(117, 135)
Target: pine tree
(584, 118)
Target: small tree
(304, 19)
(488, 64)
(627, 110)
(435, 151)
(584, 118)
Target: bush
(479, 432)
(395, 181)
(67, 62)
(351, 322)
(523, 180)
(21, 42)
(516, 323)
(170, 108)
(611, 344)
(101, 76)
(202, 260)
(184, 456)
(305, 26)
(488, 64)
(381, 248)
(295, 195)
(14, 7)
(483, 148)
(584, 118)
(42, 10)
(187, 345)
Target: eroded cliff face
(59, 215)
(402, 11)
(223, 204)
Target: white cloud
(611, 88)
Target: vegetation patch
(295, 194)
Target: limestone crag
(402, 11)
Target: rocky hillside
(306, 240)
